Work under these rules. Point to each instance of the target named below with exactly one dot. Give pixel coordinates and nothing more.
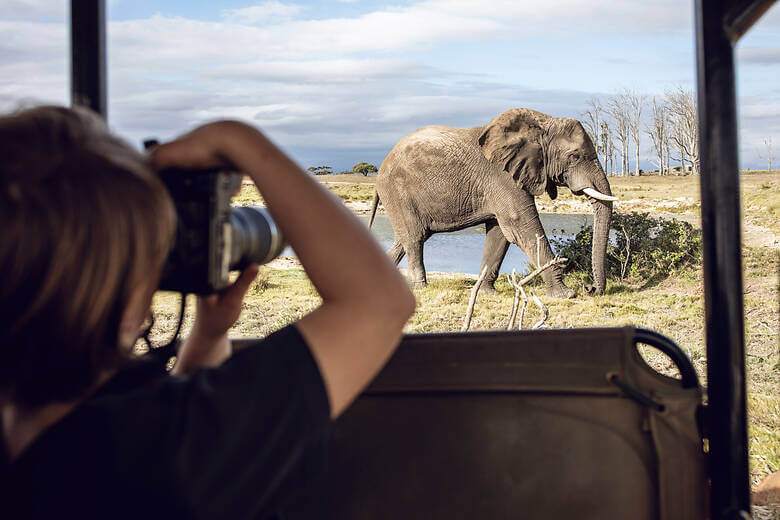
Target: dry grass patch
(346, 191)
(247, 196)
(352, 192)
(761, 200)
(673, 307)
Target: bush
(644, 248)
(364, 168)
(320, 170)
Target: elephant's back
(431, 176)
(431, 150)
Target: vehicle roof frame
(718, 27)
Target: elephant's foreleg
(496, 246)
(553, 276)
(524, 232)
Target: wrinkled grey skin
(444, 179)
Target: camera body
(213, 238)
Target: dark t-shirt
(237, 441)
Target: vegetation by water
(671, 304)
(644, 249)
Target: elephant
(440, 178)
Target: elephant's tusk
(598, 195)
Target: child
(86, 228)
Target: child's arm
(366, 301)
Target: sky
(339, 82)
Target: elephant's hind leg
(496, 246)
(414, 252)
(396, 253)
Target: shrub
(320, 170)
(364, 168)
(642, 247)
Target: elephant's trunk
(602, 217)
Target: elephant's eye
(575, 156)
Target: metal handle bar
(671, 349)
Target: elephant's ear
(511, 141)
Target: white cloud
(33, 63)
(390, 28)
(351, 85)
(206, 42)
(322, 71)
(262, 13)
(758, 55)
(34, 10)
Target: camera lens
(255, 238)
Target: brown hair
(83, 222)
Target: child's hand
(204, 147)
(208, 344)
(216, 313)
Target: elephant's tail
(374, 205)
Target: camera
(213, 238)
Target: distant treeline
(361, 167)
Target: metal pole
(88, 54)
(742, 14)
(722, 241)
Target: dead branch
(539, 270)
(515, 304)
(518, 292)
(473, 300)
(518, 285)
(522, 309)
(513, 281)
(624, 265)
(543, 308)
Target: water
(461, 251)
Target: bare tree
(608, 145)
(668, 144)
(677, 137)
(618, 107)
(770, 154)
(636, 102)
(593, 121)
(684, 126)
(658, 134)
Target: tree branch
(543, 308)
(473, 299)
